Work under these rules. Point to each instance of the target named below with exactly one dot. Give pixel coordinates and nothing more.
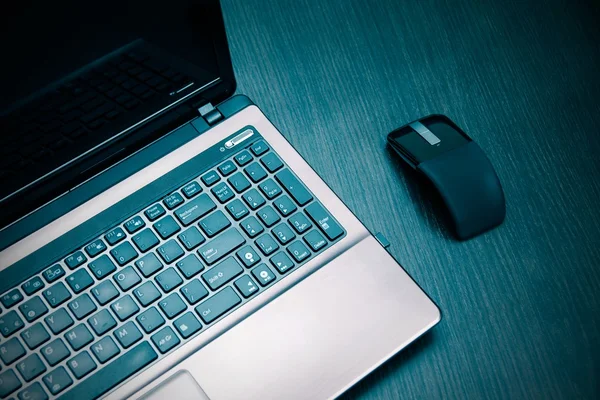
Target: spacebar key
(222, 245)
(113, 374)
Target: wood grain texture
(521, 303)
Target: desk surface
(521, 303)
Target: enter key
(324, 220)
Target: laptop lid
(86, 84)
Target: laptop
(160, 238)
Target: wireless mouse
(466, 180)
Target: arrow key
(246, 286)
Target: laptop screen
(81, 78)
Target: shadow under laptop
(424, 196)
(391, 367)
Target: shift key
(324, 220)
(218, 305)
(194, 209)
(222, 245)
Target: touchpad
(181, 386)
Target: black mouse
(466, 180)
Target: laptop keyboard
(77, 112)
(161, 277)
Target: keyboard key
(146, 293)
(82, 306)
(268, 216)
(33, 285)
(173, 200)
(222, 192)
(128, 334)
(169, 280)
(58, 380)
(284, 205)
(127, 278)
(101, 322)
(248, 256)
(221, 246)
(191, 238)
(105, 349)
(58, 321)
(243, 158)
(263, 275)
(79, 280)
(9, 382)
(237, 209)
(239, 182)
(35, 335)
(172, 305)
(35, 307)
(134, 224)
(283, 233)
(124, 253)
(315, 240)
(31, 367)
(11, 298)
(210, 178)
(170, 251)
(194, 291)
(191, 189)
(282, 262)
(115, 236)
(55, 352)
(124, 308)
(253, 199)
(155, 212)
(251, 226)
(95, 248)
(222, 273)
(214, 223)
(102, 267)
(10, 323)
(190, 266)
(218, 305)
(298, 251)
(105, 292)
(33, 392)
(11, 350)
(148, 264)
(150, 320)
(271, 162)
(166, 227)
(187, 325)
(114, 373)
(246, 286)
(195, 209)
(53, 273)
(324, 221)
(267, 244)
(145, 240)
(78, 337)
(292, 185)
(81, 365)
(259, 148)
(255, 172)
(300, 223)
(75, 260)
(227, 168)
(165, 339)
(270, 189)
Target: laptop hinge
(210, 114)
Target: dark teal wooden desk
(521, 303)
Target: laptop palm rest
(321, 337)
